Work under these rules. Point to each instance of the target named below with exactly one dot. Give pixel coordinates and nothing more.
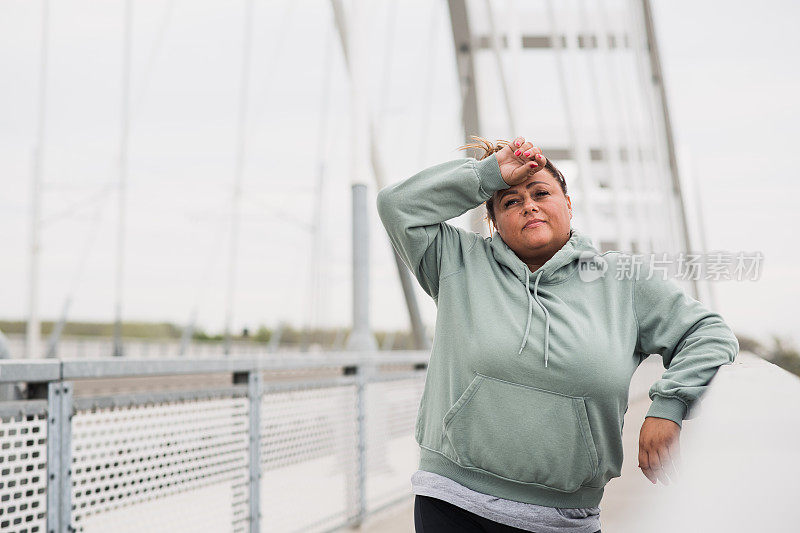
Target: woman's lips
(534, 224)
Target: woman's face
(538, 198)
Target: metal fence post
(361, 384)
(356, 489)
(53, 456)
(255, 389)
(66, 457)
(59, 457)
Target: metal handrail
(40, 371)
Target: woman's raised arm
(414, 212)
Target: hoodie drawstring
(530, 314)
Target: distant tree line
(145, 330)
(288, 336)
(782, 352)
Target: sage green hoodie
(528, 380)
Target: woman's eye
(540, 193)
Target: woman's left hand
(659, 449)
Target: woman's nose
(529, 205)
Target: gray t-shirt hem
(527, 516)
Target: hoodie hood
(557, 269)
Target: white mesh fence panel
(392, 452)
(173, 466)
(309, 446)
(23, 473)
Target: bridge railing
(294, 442)
(284, 443)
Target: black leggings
(432, 515)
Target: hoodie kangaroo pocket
(522, 434)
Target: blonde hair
(485, 145)
(490, 148)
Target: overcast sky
(731, 76)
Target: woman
(536, 340)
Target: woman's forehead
(541, 177)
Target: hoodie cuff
(489, 178)
(669, 408)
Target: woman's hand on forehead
(519, 160)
